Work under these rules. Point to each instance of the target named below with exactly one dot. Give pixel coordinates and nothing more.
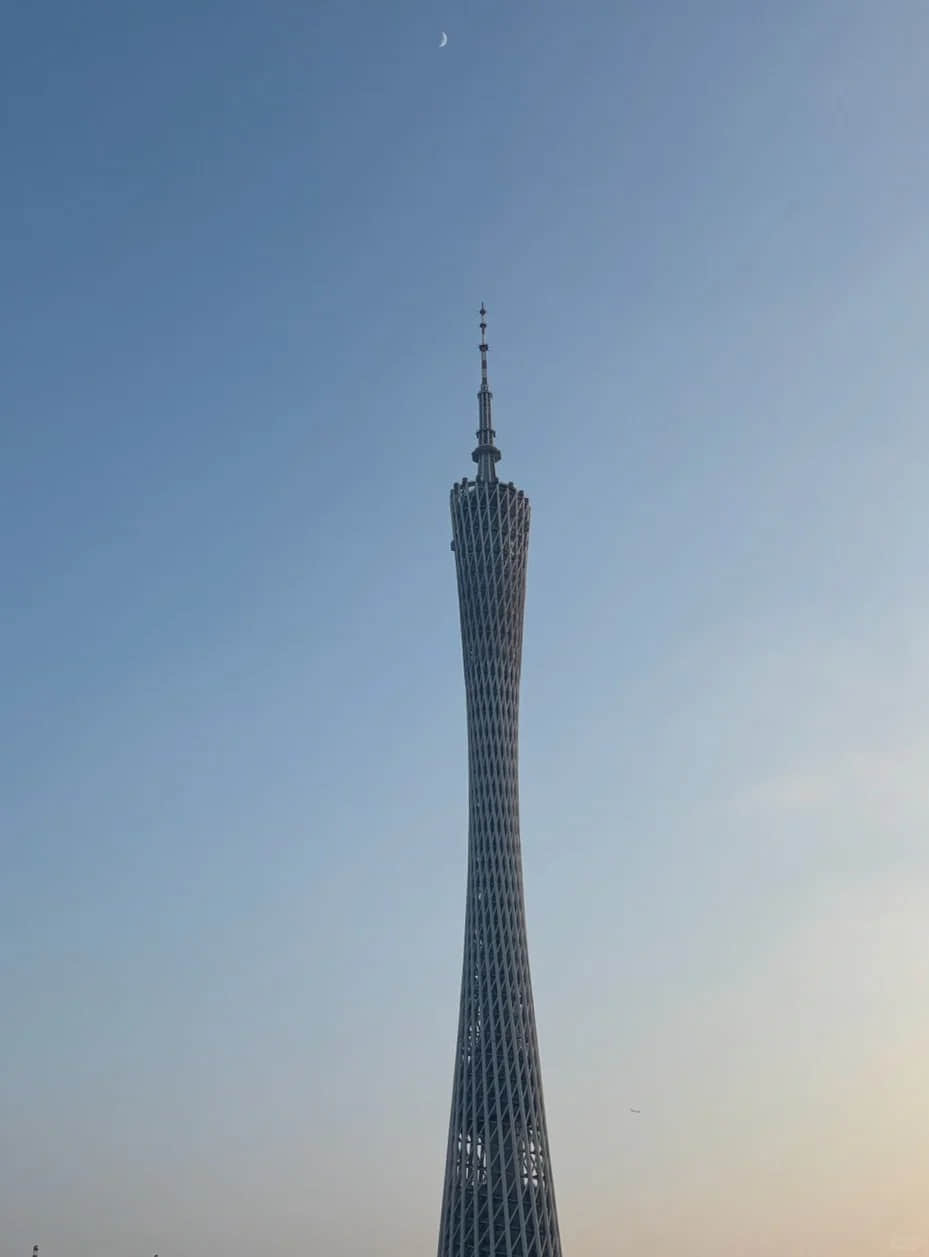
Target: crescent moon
(444, 40)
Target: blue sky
(243, 248)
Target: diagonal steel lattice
(498, 1199)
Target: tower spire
(486, 455)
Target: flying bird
(444, 40)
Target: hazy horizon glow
(243, 251)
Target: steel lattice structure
(498, 1199)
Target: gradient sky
(244, 245)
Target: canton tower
(498, 1199)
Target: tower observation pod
(498, 1199)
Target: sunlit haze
(243, 250)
